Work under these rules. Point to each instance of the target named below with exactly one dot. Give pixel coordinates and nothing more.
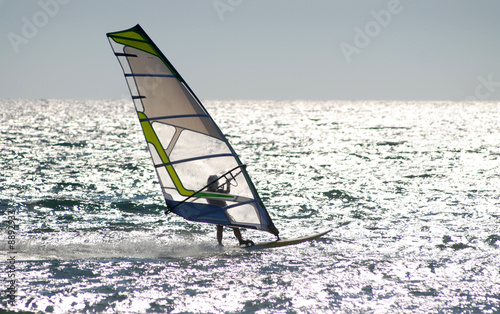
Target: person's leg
(219, 234)
(237, 234)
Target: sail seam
(149, 75)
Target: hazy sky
(259, 49)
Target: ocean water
(410, 189)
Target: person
(213, 186)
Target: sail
(201, 177)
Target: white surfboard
(283, 242)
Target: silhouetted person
(213, 186)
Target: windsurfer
(213, 186)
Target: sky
(259, 49)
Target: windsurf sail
(201, 177)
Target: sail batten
(201, 177)
(148, 75)
(193, 159)
(121, 54)
(174, 117)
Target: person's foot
(246, 243)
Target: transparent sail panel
(196, 173)
(164, 132)
(245, 213)
(205, 146)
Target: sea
(410, 189)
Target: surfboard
(283, 242)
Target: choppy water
(411, 190)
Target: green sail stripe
(128, 34)
(203, 194)
(141, 45)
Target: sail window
(192, 144)
(164, 132)
(243, 214)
